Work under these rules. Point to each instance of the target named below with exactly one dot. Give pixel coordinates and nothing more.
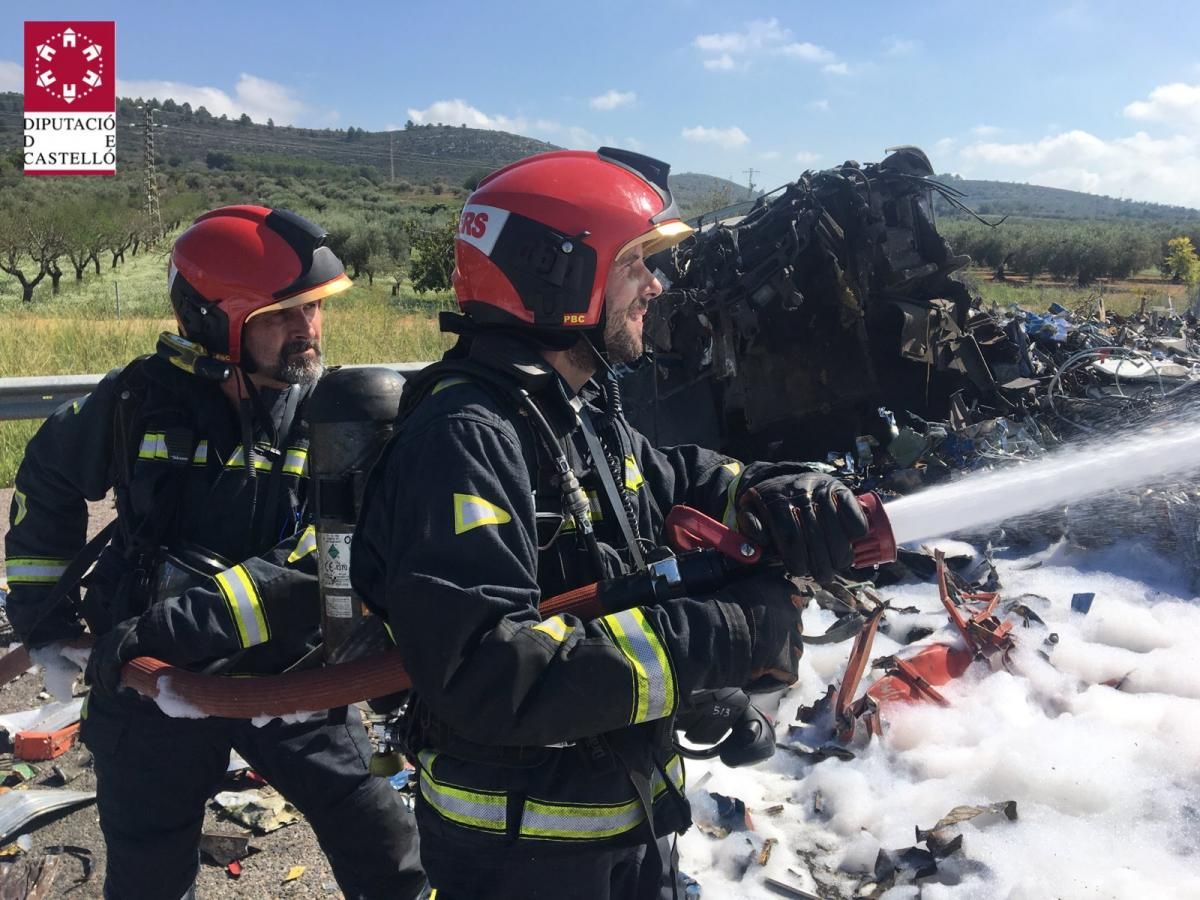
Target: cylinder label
(339, 606)
(333, 548)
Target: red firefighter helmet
(237, 262)
(536, 238)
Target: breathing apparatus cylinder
(351, 415)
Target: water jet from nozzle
(1071, 474)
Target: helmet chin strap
(594, 338)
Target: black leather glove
(772, 607)
(725, 723)
(809, 520)
(110, 652)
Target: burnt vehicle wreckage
(827, 323)
(784, 330)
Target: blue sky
(1097, 96)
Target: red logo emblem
(70, 67)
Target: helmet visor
(660, 237)
(319, 292)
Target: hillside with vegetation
(390, 200)
(997, 198)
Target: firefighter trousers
(155, 774)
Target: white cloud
(460, 112)
(770, 155)
(759, 34)
(836, 69)
(807, 52)
(821, 105)
(728, 50)
(985, 131)
(1164, 170)
(258, 98)
(944, 146)
(576, 138)
(12, 76)
(806, 158)
(729, 138)
(898, 46)
(1175, 104)
(612, 99)
(722, 63)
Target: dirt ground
(263, 872)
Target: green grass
(1123, 297)
(78, 332)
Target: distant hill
(456, 156)
(696, 193)
(419, 153)
(993, 198)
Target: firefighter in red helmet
(210, 563)
(545, 745)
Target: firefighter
(211, 562)
(544, 747)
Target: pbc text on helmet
(574, 318)
(473, 224)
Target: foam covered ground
(1106, 780)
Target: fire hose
(708, 553)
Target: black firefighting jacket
(171, 445)
(460, 537)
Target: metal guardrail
(37, 396)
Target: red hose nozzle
(879, 546)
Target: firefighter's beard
(295, 366)
(623, 340)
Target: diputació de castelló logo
(70, 98)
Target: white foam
(175, 705)
(61, 667)
(1105, 780)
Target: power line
(150, 177)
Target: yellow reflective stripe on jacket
(654, 691)
(295, 461)
(485, 810)
(559, 821)
(200, 456)
(241, 594)
(544, 820)
(35, 569)
(306, 545)
(238, 460)
(729, 516)
(556, 627)
(675, 772)
(448, 382)
(540, 819)
(595, 512)
(473, 512)
(22, 508)
(633, 475)
(153, 446)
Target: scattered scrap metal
(827, 322)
